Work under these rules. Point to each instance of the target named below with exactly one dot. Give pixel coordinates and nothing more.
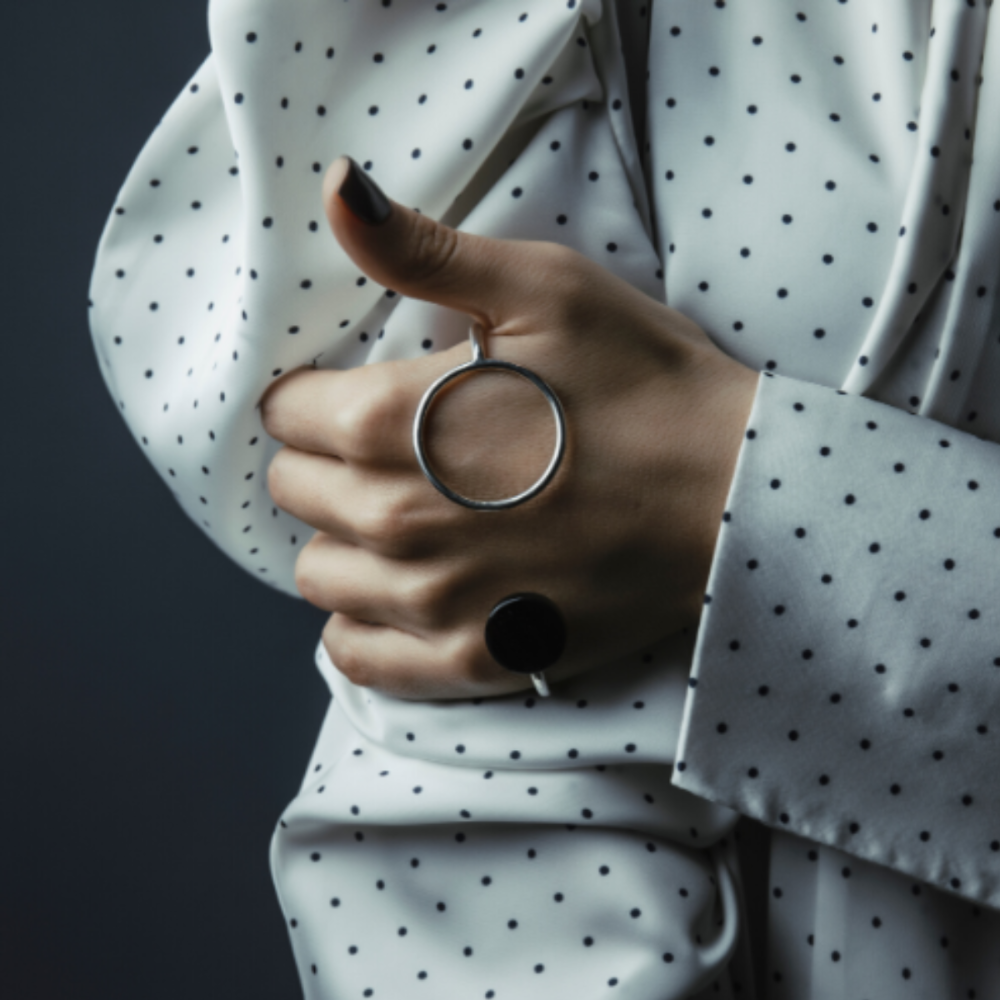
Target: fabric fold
(217, 272)
(935, 203)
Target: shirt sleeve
(846, 680)
(217, 272)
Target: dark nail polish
(364, 197)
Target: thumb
(489, 279)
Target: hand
(622, 539)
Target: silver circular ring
(480, 362)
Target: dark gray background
(151, 733)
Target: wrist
(722, 391)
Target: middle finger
(396, 514)
(424, 600)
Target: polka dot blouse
(816, 184)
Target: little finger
(411, 667)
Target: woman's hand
(622, 539)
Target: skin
(622, 539)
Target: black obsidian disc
(526, 633)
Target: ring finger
(339, 577)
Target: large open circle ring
(480, 362)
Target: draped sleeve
(217, 271)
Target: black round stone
(525, 633)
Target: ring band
(541, 684)
(525, 633)
(480, 362)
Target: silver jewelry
(524, 631)
(480, 362)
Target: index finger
(362, 415)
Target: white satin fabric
(817, 186)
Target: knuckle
(387, 526)
(276, 416)
(434, 246)
(269, 413)
(277, 478)
(367, 422)
(430, 597)
(567, 277)
(560, 264)
(472, 663)
(556, 258)
(307, 581)
(358, 424)
(344, 656)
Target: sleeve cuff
(846, 669)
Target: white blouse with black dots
(818, 185)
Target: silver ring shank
(541, 684)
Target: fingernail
(364, 197)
